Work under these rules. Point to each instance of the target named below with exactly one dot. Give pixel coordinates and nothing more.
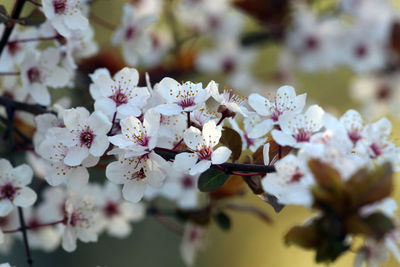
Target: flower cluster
(106, 162)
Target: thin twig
(10, 73)
(170, 225)
(10, 26)
(188, 119)
(25, 237)
(34, 227)
(37, 39)
(102, 22)
(169, 154)
(31, 108)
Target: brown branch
(16, 12)
(34, 109)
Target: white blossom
(65, 15)
(13, 187)
(202, 144)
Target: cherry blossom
(180, 97)
(291, 183)
(57, 171)
(202, 144)
(137, 173)
(44, 238)
(133, 35)
(119, 95)
(285, 102)
(65, 15)
(40, 71)
(192, 242)
(138, 138)
(297, 129)
(85, 134)
(82, 222)
(229, 101)
(13, 187)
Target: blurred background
(250, 241)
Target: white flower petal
(184, 161)
(283, 139)
(99, 145)
(168, 109)
(258, 103)
(200, 167)
(192, 138)
(133, 191)
(99, 123)
(115, 172)
(5, 207)
(25, 197)
(261, 129)
(76, 155)
(221, 155)
(77, 178)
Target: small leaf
(3, 14)
(233, 141)
(368, 187)
(212, 179)
(305, 236)
(222, 220)
(234, 186)
(35, 18)
(326, 176)
(273, 201)
(375, 225)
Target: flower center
(33, 75)
(383, 92)
(275, 115)
(8, 191)
(130, 33)
(360, 51)
(376, 149)
(119, 98)
(205, 153)
(354, 136)
(111, 209)
(139, 175)
(296, 177)
(13, 47)
(86, 138)
(59, 6)
(249, 140)
(312, 43)
(302, 136)
(228, 65)
(187, 182)
(187, 102)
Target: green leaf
(233, 141)
(35, 18)
(3, 14)
(212, 179)
(222, 220)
